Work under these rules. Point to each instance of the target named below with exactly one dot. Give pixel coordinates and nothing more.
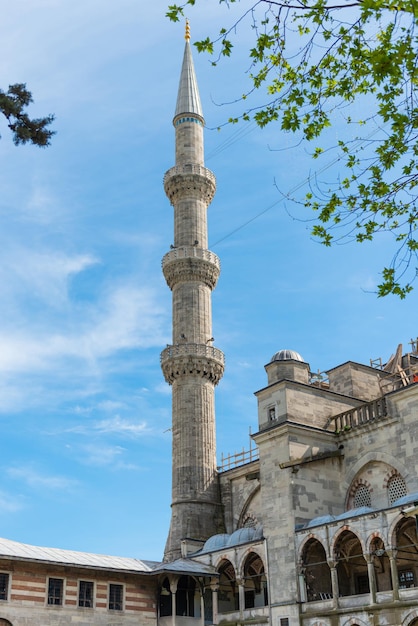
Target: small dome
(286, 355)
(244, 535)
(216, 542)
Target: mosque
(316, 525)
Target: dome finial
(187, 34)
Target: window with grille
(362, 497)
(4, 586)
(115, 597)
(85, 594)
(406, 579)
(396, 488)
(284, 621)
(55, 591)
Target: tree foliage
(12, 105)
(315, 60)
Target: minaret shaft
(190, 227)
(191, 364)
(192, 313)
(189, 144)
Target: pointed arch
(382, 457)
(355, 621)
(316, 570)
(228, 596)
(411, 619)
(251, 508)
(351, 567)
(406, 544)
(255, 581)
(165, 601)
(395, 487)
(381, 563)
(186, 597)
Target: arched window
(407, 553)
(381, 565)
(396, 488)
(362, 496)
(352, 572)
(185, 596)
(228, 597)
(5, 622)
(165, 599)
(316, 571)
(255, 582)
(249, 522)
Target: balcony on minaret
(191, 263)
(189, 178)
(184, 359)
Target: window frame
(403, 573)
(61, 597)
(271, 413)
(122, 597)
(394, 492)
(90, 583)
(7, 586)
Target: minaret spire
(192, 365)
(188, 99)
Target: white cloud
(103, 456)
(10, 503)
(114, 425)
(110, 405)
(130, 318)
(121, 426)
(29, 274)
(34, 479)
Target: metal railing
(238, 458)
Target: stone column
(372, 577)
(394, 572)
(241, 595)
(173, 588)
(334, 583)
(215, 588)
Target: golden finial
(187, 35)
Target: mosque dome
(286, 355)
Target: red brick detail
(393, 472)
(20, 598)
(29, 578)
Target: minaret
(191, 364)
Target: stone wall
(27, 603)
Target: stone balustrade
(185, 252)
(359, 416)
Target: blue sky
(84, 409)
